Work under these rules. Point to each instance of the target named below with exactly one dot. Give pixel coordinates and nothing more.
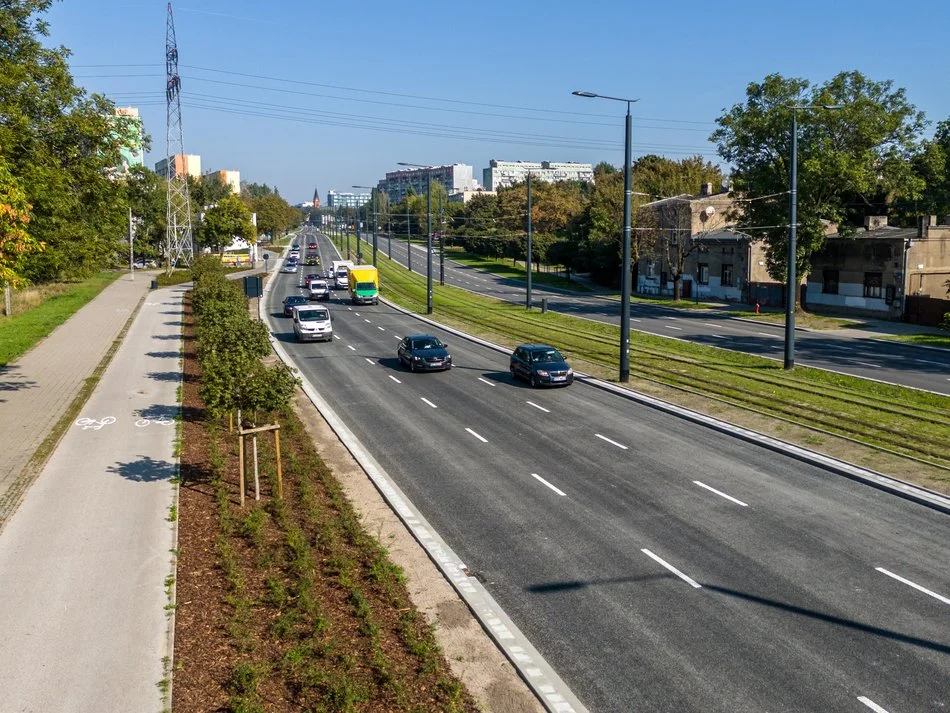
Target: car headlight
(543, 372)
(570, 372)
(416, 357)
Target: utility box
(253, 286)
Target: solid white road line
(485, 381)
(350, 346)
(483, 440)
(542, 480)
(720, 493)
(871, 704)
(691, 582)
(394, 379)
(670, 326)
(913, 584)
(429, 402)
(370, 360)
(614, 443)
(864, 363)
(540, 408)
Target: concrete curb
(550, 690)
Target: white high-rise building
(455, 178)
(502, 174)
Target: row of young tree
(867, 156)
(63, 205)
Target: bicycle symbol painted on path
(94, 424)
(143, 422)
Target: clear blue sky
(686, 61)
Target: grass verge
(941, 341)
(37, 311)
(900, 431)
(515, 272)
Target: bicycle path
(85, 559)
(37, 389)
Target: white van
(341, 274)
(312, 323)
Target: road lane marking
(394, 379)
(619, 445)
(483, 440)
(357, 314)
(542, 480)
(370, 360)
(871, 704)
(367, 321)
(670, 326)
(429, 402)
(720, 493)
(688, 580)
(397, 336)
(864, 363)
(928, 361)
(485, 381)
(540, 408)
(635, 320)
(766, 334)
(710, 324)
(341, 302)
(381, 329)
(913, 584)
(672, 317)
(350, 346)
(337, 336)
(717, 336)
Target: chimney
(924, 222)
(873, 222)
(706, 189)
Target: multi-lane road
(655, 564)
(878, 359)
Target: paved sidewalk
(84, 560)
(36, 390)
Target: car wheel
(514, 374)
(533, 381)
(412, 366)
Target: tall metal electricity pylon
(179, 245)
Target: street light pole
(625, 268)
(428, 170)
(791, 286)
(372, 193)
(527, 297)
(441, 243)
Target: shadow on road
(145, 470)
(164, 355)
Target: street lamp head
(589, 95)
(832, 106)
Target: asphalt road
(892, 362)
(657, 565)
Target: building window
(829, 284)
(872, 284)
(703, 276)
(651, 270)
(727, 279)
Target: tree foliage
(227, 220)
(15, 241)
(850, 154)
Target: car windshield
(426, 343)
(313, 315)
(365, 286)
(546, 356)
(295, 299)
(342, 272)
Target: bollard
(544, 305)
(154, 284)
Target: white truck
(341, 274)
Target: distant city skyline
(315, 96)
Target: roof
(887, 232)
(723, 236)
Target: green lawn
(807, 320)
(929, 340)
(19, 333)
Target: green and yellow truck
(364, 284)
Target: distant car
(289, 267)
(540, 365)
(291, 301)
(312, 260)
(311, 276)
(423, 352)
(312, 245)
(319, 289)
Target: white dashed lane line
(871, 704)
(542, 480)
(485, 381)
(611, 442)
(766, 334)
(721, 494)
(670, 326)
(425, 400)
(540, 408)
(337, 336)
(868, 364)
(350, 346)
(367, 321)
(370, 361)
(381, 329)
(916, 586)
(691, 582)
(394, 379)
(483, 440)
